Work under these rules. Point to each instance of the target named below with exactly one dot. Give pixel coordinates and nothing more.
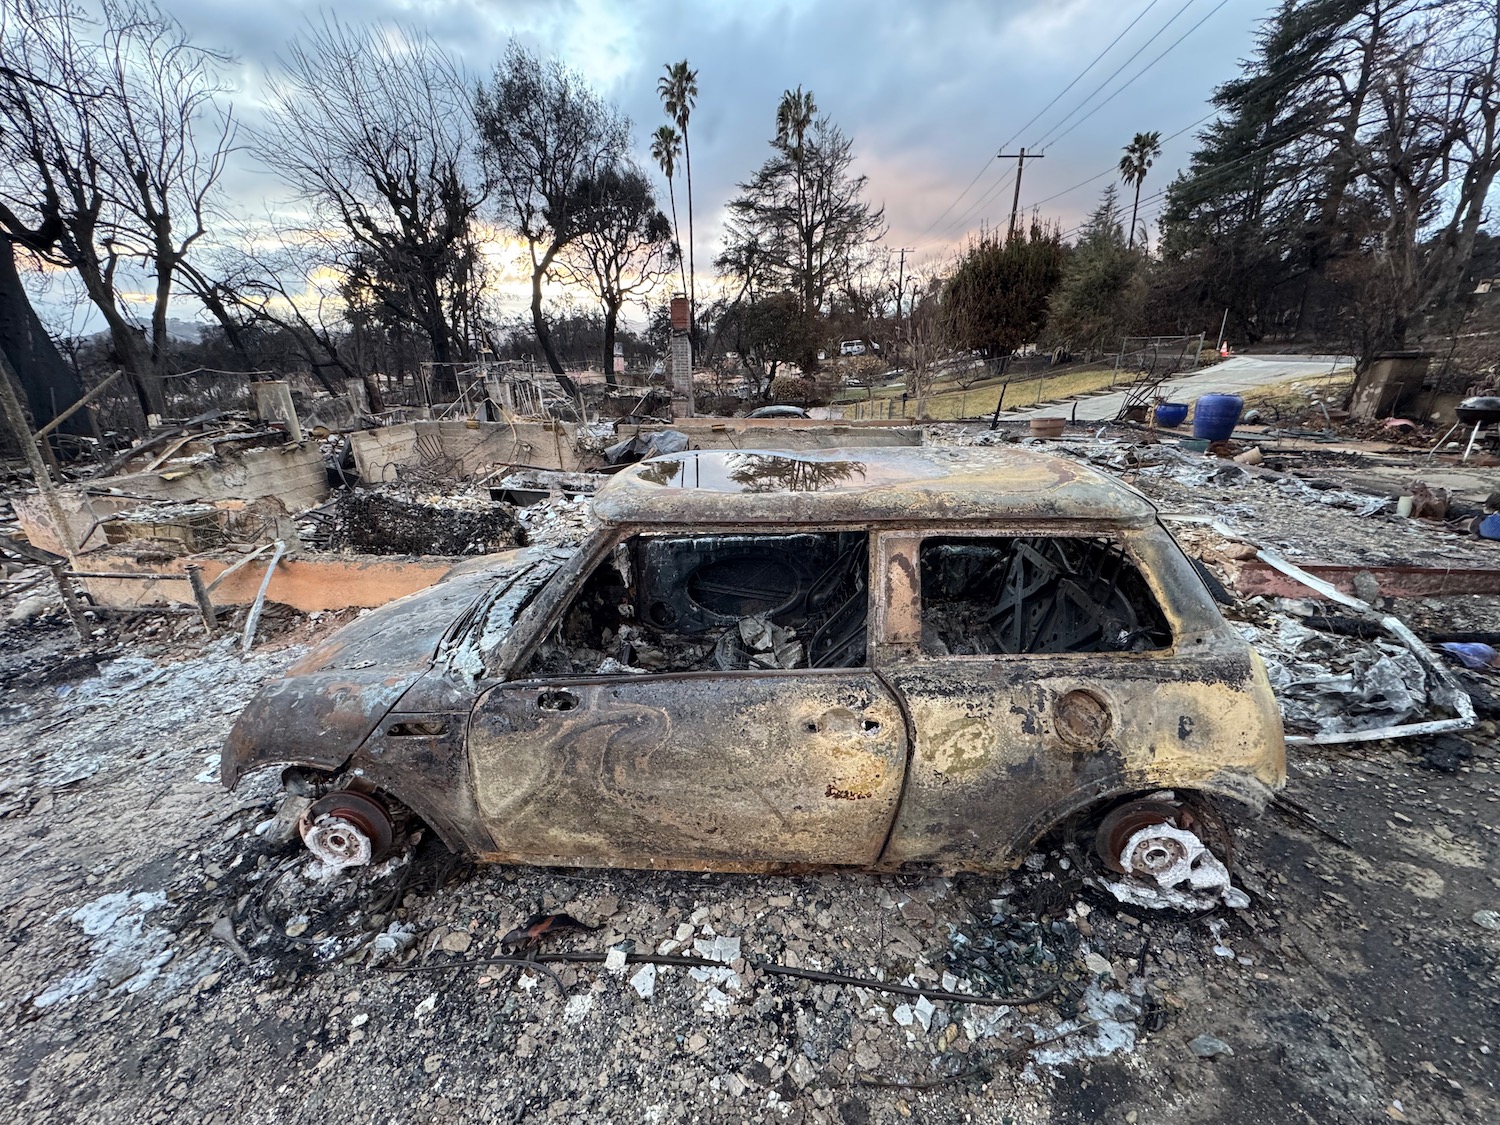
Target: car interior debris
(725, 602)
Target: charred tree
(109, 159)
(545, 134)
(48, 381)
(624, 247)
(375, 128)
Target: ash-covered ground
(169, 958)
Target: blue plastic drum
(1215, 416)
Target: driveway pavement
(1233, 376)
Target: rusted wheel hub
(1116, 829)
(1157, 852)
(1157, 842)
(347, 829)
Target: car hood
(330, 700)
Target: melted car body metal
(330, 703)
(1006, 639)
(868, 486)
(768, 770)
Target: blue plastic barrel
(1215, 416)
(1171, 414)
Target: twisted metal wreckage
(771, 661)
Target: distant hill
(183, 331)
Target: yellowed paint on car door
(715, 771)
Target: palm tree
(1134, 165)
(794, 117)
(678, 90)
(666, 147)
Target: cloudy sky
(929, 89)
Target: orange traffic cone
(1224, 352)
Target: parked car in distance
(866, 658)
(781, 411)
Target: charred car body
(769, 661)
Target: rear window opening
(1035, 594)
(718, 603)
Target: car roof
(911, 484)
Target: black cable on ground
(771, 968)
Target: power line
(978, 204)
(972, 209)
(1127, 83)
(962, 222)
(1081, 73)
(1015, 203)
(1212, 12)
(1209, 175)
(1227, 166)
(1172, 137)
(1115, 73)
(1113, 167)
(985, 166)
(1053, 137)
(977, 175)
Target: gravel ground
(169, 959)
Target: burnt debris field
(175, 952)
(543, 583)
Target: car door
(738, 769)
(1046, 668)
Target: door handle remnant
(842, 720)
(556, 699)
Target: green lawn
(948, 402)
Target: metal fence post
(70, 600)
(201, 596)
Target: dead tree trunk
(49, 383)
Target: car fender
(332, 700)
(317, 719)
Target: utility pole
(1015, 203)
(901, 283)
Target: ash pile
(554, 509)
(390, 522)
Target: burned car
(762, 661)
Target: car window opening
(1035, 594)
(718, 603)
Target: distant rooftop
(866, 485)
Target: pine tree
(1102, 292)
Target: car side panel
(1007, 747)
(730, 772)
(420, 757)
